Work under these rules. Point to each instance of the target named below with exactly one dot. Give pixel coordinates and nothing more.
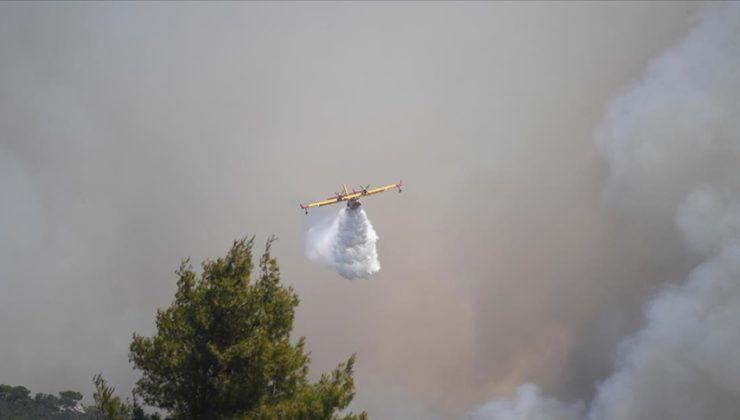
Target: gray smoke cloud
(672, 143)
(133, 135)
(345, 243)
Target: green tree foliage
(16, 403)
(110, 407)
(107, 405)
(222, 350)
(70, 399)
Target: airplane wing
(384, 188)
(320, 203)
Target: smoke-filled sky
(547, 204)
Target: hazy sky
(136, 134)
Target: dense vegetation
(16, 403)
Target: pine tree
(222, 350)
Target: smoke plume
(671, 143)
(345, 243)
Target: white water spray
(345, 243)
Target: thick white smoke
(672, 144)
(530, 404)
(345, 243)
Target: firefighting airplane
(352, 198)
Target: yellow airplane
(351, 197)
